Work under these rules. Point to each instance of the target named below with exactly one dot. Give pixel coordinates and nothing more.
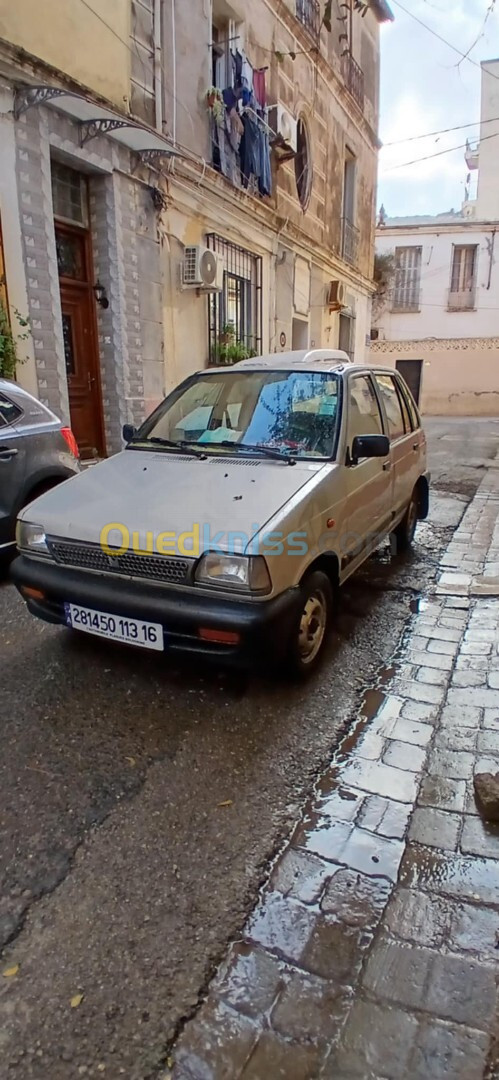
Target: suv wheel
(404, 533)
(309, 631)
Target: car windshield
(292, 412)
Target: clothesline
(247, 108)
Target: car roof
(300, 360)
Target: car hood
(155, 492)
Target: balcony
(464, 300)
(309, 13)
(350, 241)
(354, 79)
(472, 154)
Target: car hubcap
(312, 627)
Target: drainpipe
(174, 72)
(158, 81)
(490, 246)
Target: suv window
(392, 405)
(9, 412)
(364, 417)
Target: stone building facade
(111, 173)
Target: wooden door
(80, 338)
(410, 370)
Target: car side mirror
(128, 432)
(369, 446)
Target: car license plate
(116, 627)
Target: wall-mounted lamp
(101, 296)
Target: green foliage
(358, 5)
(384, 269)
(228, 350)
(215, 102)
(9, 357)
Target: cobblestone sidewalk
(372, 952)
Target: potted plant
(215, 102)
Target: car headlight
(245, 573)
(31, 538)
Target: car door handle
(387, 466)
(415, 446)
(7, 454)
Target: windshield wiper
(269, 451)
(182, 444)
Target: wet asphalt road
(122, 876)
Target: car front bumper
(264, 626)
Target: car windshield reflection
(291, 412)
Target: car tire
(404, 533)
(310, 627)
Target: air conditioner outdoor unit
(202, 269)
(285, 127)
(337, 296)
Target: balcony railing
(464, 300)
(354, 79)
(350, 241)
(309, 13)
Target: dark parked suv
(36, 453)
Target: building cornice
(437, 227)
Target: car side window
(405, 410)
(407, 398)
(9, 412)
(390, 398)
(364, 417)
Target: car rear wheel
(404, 533)
(310, 628)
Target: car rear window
(9, 411)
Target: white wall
(434, 320)
(487, 206)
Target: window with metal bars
(309, 13)
(235, 313)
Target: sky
(425, 88)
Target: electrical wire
(437, 153)
(488, 13)
(441, 131)
(441, 38)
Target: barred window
(235, 313)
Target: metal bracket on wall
(89, 129)
(27, 96)
(149, 157)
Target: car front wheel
(310, 628)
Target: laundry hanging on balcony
(241, 140)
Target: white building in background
(437, 319)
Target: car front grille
(160, 568)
